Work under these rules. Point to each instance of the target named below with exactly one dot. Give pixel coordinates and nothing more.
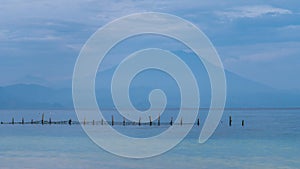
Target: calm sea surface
(269, 139)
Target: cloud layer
(253, 12)
(43, 38)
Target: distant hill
(31, 96)
(241, 93)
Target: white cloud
(108, 10)
(290, 27)
(252, 12)
(258, 53)
(42, 38)
(75, 47)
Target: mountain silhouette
(241, 93)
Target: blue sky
(40, 40)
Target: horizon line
(174, 108)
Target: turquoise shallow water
(269, 139)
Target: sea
(270, 138)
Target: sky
(40, 40)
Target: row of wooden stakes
(112, 122)
(230, 121)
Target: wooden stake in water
(50, 121)
(70, 122)
(139, 121)
(84, 121)
(150, 121)
(124, 122)
(230, 121)
(13, 121)
(43, 116)
(198, 122)
(158, 121)
(112, 120)
(171, 122)
(181, 121)
(243, 123)
(22, 120)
